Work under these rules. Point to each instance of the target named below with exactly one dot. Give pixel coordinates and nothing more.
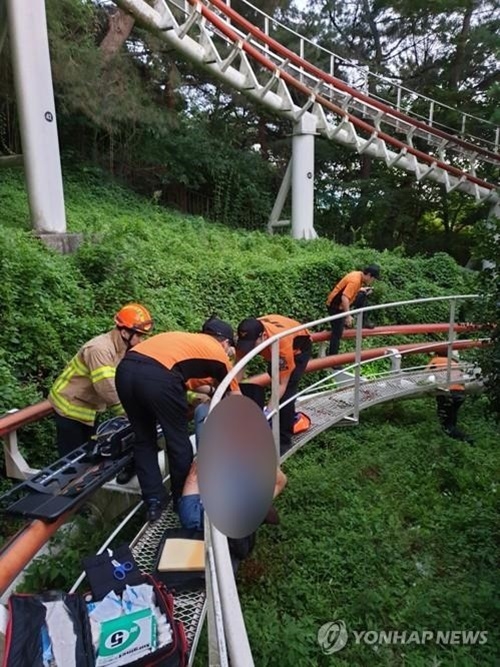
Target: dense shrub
(183, 269)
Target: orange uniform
(349, 286)
(294, 354)
(289, 346)
(191, 355)
(440, 364)
(151, 381)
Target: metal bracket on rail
(193, 17)
(210, 53)
(16, 465)
(395, 357)
(270, 83)
(421, 174)
(285, 96)
(251, 82)
(235, 51)
(167, 20)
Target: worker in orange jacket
(450, 400)
(87, 384)
(294, 353)
(151, 381)
(348, 294)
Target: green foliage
(389, 526)
(45, 308)
(60, 566)
(488, 308)
(183, 268)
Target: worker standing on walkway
(350, 293)
(450, 400)
(87, 384)
(151, 383)
(294, 353)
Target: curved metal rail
(326, 407)
(233, 50)
(324, 417)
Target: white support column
(303, 178)
(37, 117)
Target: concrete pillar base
(63, 242)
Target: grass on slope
(390, 525)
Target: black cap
(248, 332)
(373, 270)
(215, 327)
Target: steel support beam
(274, 218)
(37, 117)
(303, 178)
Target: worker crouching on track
(294, 353)
(87, 384)
(151, 383)
(350, 293)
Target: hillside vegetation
(388, 526)
(182, 268)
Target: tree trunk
(457, 64)
(119, 28)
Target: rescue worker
(151, 383)
(450, 400)
(294, 353)
(87, 384)
(349, 293)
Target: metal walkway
(326, 409)
(189, 606)
(335, 407)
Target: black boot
(126, 473)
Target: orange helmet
(135, 317)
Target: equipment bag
(47, 626)
(113, 570)
(173, 654)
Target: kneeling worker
(87, 384)
(294, 353)
(449, 401)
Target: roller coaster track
(327, 406)
(233, 50)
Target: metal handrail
(365, 72)
(338, 112)
(233, 617)
(318, 78)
